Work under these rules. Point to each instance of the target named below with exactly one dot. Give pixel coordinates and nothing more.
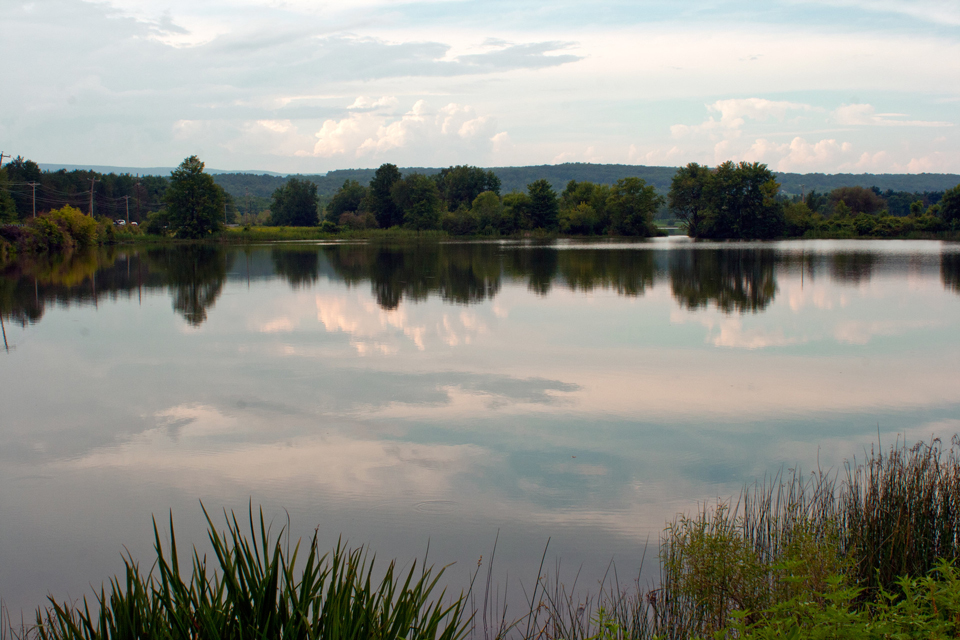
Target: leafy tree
(916, 208)
(347, 198)
(295, 204)
(857, 199)
(194, 201)
(488, 210)
(8, 208)
(950, 205)
(515, 207)
(20, 172)
(543, 211)
(687, 198)
(632, 203)
(460, 185)
(418, 198)
(743, 202)
(379, 201)
(583, 208)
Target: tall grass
(258, 590)
(845, 543)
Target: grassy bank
(864, 552)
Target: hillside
(517, 178)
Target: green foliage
(346, 199)
(857, 199)
(543, 210)
(82, 228)
(687, 198)
(379, 202)
(157, 223)
(294, 204)
(631, 205)
(488, 210)
(731, 201)
(798, 219)
(8, 208)
(461, 185)
(258, 590)
(950, 205)
(462, 222)
(194, 201)
(418, 198)
(914, 608)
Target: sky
(300, 86)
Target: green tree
(687, 197)
(295, 204)
(543, 211)
(516, 205)
(379, 201)
(460, 185)
(583, 208)
(488, 209)
(418, 198)
(742, 203)
(8, 208)
(347, 199)
(194, 201)
(858, 199)
(21, 171)
(950, 205)
(632, 203)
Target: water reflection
(853, 268)
(298, 266)
(950, 271)
(732, 279)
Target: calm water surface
(395, 395)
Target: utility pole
(2, 156)
(127, 200)
(224, 212)
(801, 192)
(34, 185)
(93, 181)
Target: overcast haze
(840, 86)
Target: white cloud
(865, 114)
(735, 112)
(373, 134)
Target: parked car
(120, 223)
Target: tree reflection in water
(195, 275)
(950, 271)
(735, 280)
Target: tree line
(730, 201)
(743, 201)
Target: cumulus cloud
(865, 114)
(735, 112)
(366, 133)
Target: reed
(849, 546)
(260, 591)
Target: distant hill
(517, 178)
(262, 184)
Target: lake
(449, 393)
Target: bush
(81, 227)
(462, 222)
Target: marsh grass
(260, 590)
(852, 547)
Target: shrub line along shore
(864, 552)
(729, 202)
